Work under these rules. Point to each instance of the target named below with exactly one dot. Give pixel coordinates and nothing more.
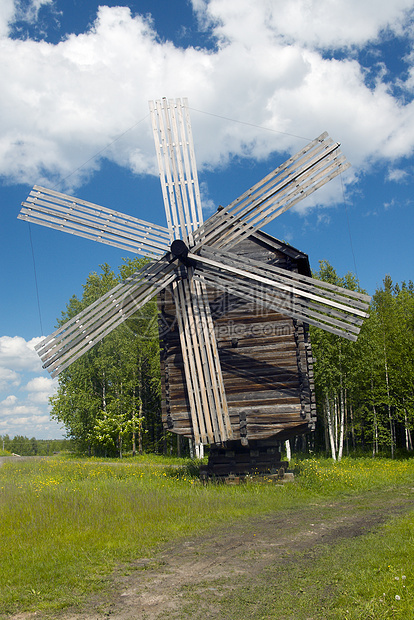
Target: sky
(262, 77)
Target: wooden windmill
(195, 267)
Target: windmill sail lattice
(189, 255)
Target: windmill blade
(330, 307)
(205, 386)
(79, 334)
(278, 303)
(86, 219)
(319, 162)
(177, 167)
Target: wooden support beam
(306, 283)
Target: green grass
(352, 475)
(65, 523)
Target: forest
(23, 446)
(364, 389)
(109, 400)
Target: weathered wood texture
(91, 221)
(265, 357)
(258, 458)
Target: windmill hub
(179, 249)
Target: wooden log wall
(265, 357)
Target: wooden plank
(171, 141)
(204, 379)
(185, 181)
(358, 299)
(251, 295)
(72, 353)
(136, 249)
(306, 286)
(202, 341)
(144, 276)
(280, 184)
(196, 208)
(160, 149)
(178, 172)
(205, 352)
(275, 180)
(288, 306)
(193, 391)
(273, 283)
(132, 242)
(281, 202)
(66, 200)
(115, 225)
(214, 363)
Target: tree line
(23, 446)
(110, 399)
(365, 389)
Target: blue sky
(262, 79)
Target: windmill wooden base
(235, 461)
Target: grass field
(65, 523)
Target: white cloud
(41, 389)
(15, 410)
(396, 174)
(7, 14)
(18, 354)
(63, 103)
(11, 10)
(8, 378)
(29, 417)
(316, 23)
(29, 422)
(24, 410)
(390, 205)
(10, 401)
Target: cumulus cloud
(13, 10)
(396, 174)
(8, 378)
(28, 421)
(24, 399)
(10, 401)
(316, 23)
(19, 354)
(269, 69)
(7, 14)
(41, 389)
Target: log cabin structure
(267, 366)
